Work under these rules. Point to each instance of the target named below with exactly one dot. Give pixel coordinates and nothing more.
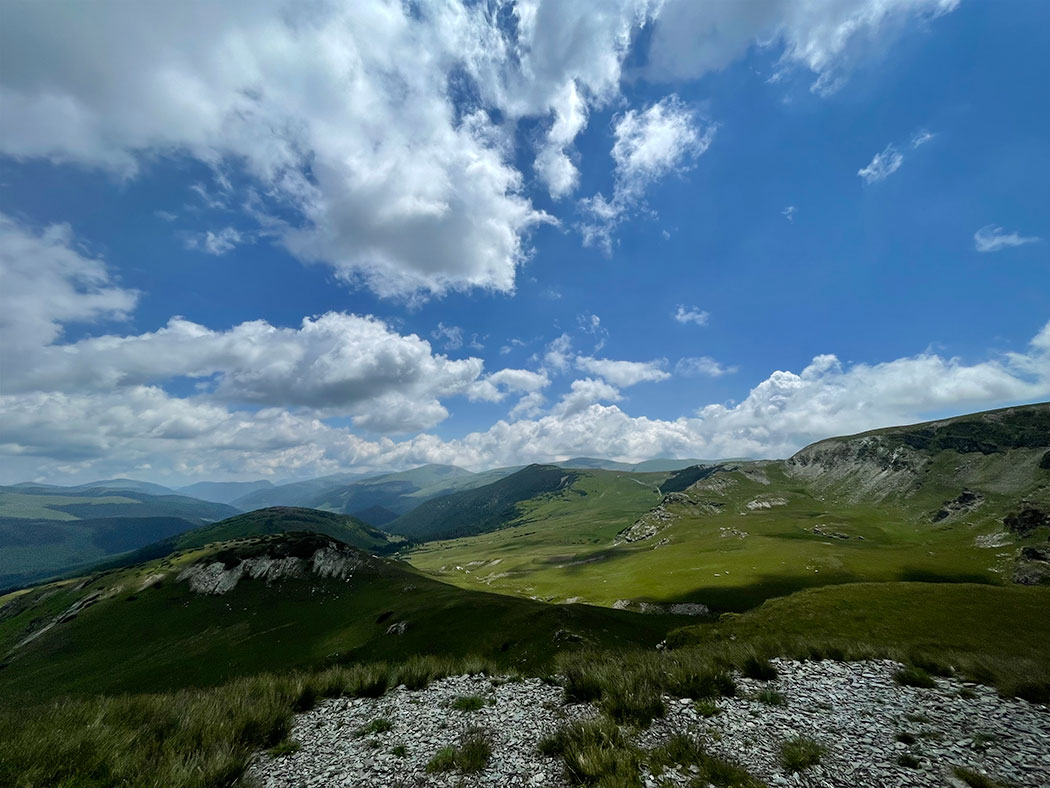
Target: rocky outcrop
(220, 575)
(966, 502)
(865, 468)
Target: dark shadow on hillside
(722, 599)
(920, 575)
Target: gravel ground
(854, 710)
(423, 722)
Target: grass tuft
(800, 753)
(908, 761)
(378, 725)
(684, 750)
(468, 703)
(771, 697)
(287, 747)
(470, 756)
(595, 752)
(755, 667)
(914, 677)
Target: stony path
(855, 710)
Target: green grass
(683, 750)
(908, 761)
(993, 635)
(914, 677)
(287, 747)
(378, 725)
(561, 547)
(468, 703)
(166, 637)
(595, 752)
(770, 697)
(470, 756)
(800, 753)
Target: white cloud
(882, 166)
(336, 364)
(665, 138)
(889, 160)
(369, 126)
(921, 137)
(558, 354)
(702, 365)
(624, 373)
(692, 314)
(47, 283)
(691, 39)
(991, 238)
(789, 213)
(217, 243)
(582, 395)
(93, 434)
(450, 336)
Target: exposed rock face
(659, 517)
(873, 469)
(1026, 520)
(765, 503)
(221, 576)
(967, 501)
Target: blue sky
(517, 233)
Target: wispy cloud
(789, 213)
(882, 166)
(451, 337)
(217, 243)
(991, 238)
(664, 139)
(691, 315)
(889, 159)
(702, 365)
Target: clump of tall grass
(469, 756)
(595, 752)
(185, 739)
(684, 750)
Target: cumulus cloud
(882, 165)
(92, 434)
(702, 366)
(379, 138)
(991, 238)
(665, 138)
(335, 364)
(624, 373)
(47, 283)
(685, 315)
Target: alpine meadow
(611, 394)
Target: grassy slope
(572, 554)
(283, 519)
(486, 508)
(989, 633)
(46, 531)
(164, 636)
